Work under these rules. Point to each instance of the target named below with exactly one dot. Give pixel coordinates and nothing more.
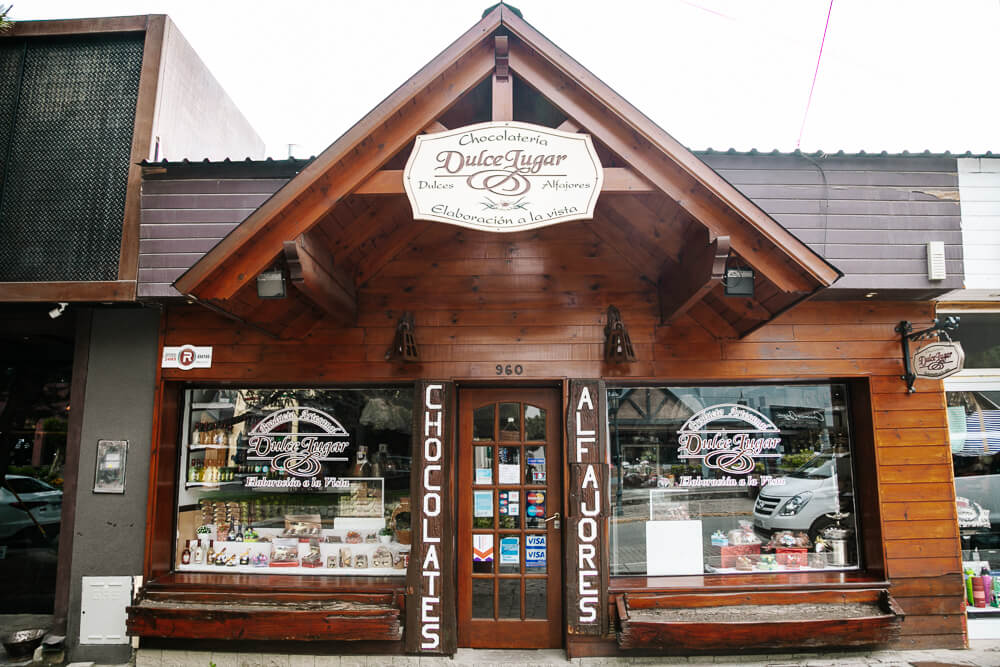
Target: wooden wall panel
(552, 334)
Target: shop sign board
(503, 176)
(938, 360)
(732, 446)
(586, 559)
(431, 620)
(186, 357)
(297, 441)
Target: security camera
(58, 310)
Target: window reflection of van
(801, 500)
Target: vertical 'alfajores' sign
(586, 563)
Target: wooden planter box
(275, 616)
(691, 623)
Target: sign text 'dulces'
(503, 177)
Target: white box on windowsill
(674, 547)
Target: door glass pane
(510, 598)
(510, 554)
(482, 509)
(510, 509)
(482, 598)
(482, 554)
(510, 422)
(534, 509)
(483, 457)
(482, 423)
(535, 553)
(509, 470)
(534, 599)
(534, 423)
(534, 465)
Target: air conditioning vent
(935, 261)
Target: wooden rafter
(578, 100)
(685, 283)
(349, 161)
(435, 126)
(666, 232)
(312, 271)
(503, 84)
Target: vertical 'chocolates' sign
(430, 585)
(586, 553)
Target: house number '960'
(508, 369)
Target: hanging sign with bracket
(935, 361)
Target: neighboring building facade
(82, 102)
(974, 394)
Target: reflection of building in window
(796, 496)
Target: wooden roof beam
(503, 83)
(701, 268)
(584, 107)
(388, 128)
(312, 272)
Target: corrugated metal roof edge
(842, 153)
(700, 151)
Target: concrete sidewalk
(982, 653)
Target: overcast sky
(895, 75)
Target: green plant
(5, 22)
(385, 531)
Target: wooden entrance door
(509, 484)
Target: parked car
(801, 500)
(42, 500)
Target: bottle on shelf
(210, 558)
(199, 553)
(186, 554)
(362, 468)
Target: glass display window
(297, 481)
(726, 480)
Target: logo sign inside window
(733, 447)
(297, 441)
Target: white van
(801, 500)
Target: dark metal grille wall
(66, 143)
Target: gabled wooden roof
(673, 220)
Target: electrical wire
(798, 143)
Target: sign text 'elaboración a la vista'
(503, 177)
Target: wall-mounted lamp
(738, 280)
(617, 344)
(404, 347)
(271, 284)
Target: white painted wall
(979, 192)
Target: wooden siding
(183, 219)
(480, 301)
(871, 216)
(979, 185)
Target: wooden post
(586, 546)
(431, 621)
(503, 84)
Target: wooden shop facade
(508, 366)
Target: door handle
(554, 517)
